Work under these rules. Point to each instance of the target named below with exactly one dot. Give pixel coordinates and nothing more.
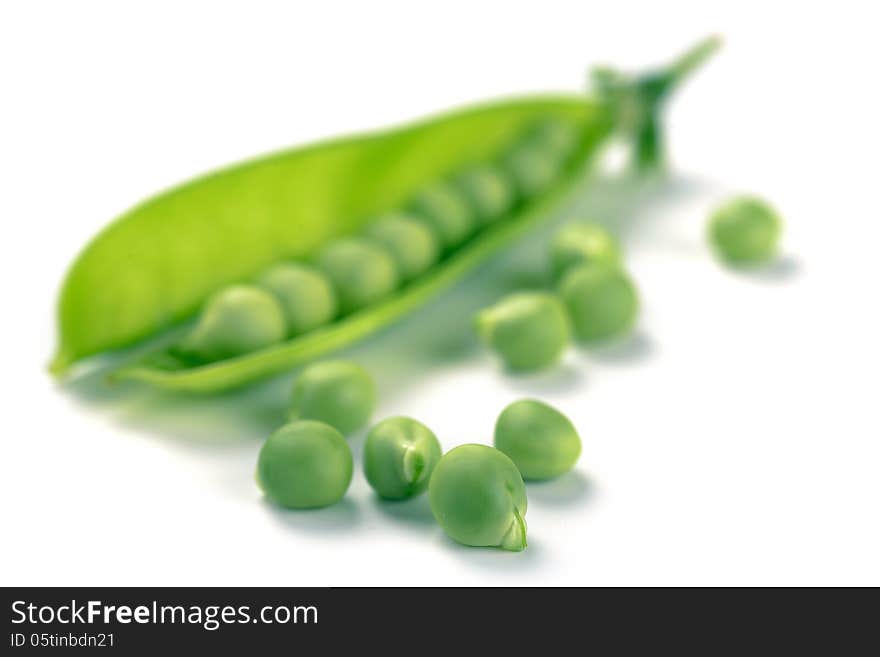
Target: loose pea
(528, 330)
(338, 392)
(409, 242)
(540, 440)
(362, 272)
(236, 321)
(478, 497)
(745, 231)
(305, 465)
(579, 244)
(399, 456)
(601, 301)
(531, 169)
(445, 212)
(305, 294)
(488, 191)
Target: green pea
(528, 330)
(578, 244)
(362, 272)
(531, 169)
(540, 440)
(305, 294)
(445, 212)
(478, 497)
(409, 242)
(305, 465)
(338, 392)
(399, 456)
(745, 231)
(235, 321)
(489, 192)
(601, 301)
(555, 136)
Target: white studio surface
(734, 440)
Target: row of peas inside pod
(594, 299)
(353, 272)
(476, 492)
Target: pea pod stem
(638, 100)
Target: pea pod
(154, 266)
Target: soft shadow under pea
(635, 348)
(782, 270)
(341, 517)
(571, 488)
(560, 379)
(414, 512)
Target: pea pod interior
(155, 266)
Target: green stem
(693, 59)
(638, 100)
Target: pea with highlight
(602, 301)
(236, 321)
(540, 440)
(529, 330)
(581, 244)
(409, 242)
(745, 231)
(531, 169)
(306, 295)
(362, 272)
(400, 454)
(338, 392)
(488, 190)
(445, 212)
(478, 497)
(305, 465)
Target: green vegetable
(305, 294)
(579, 244)
(601, 301)
(745, 231)
(489, 192)
(556, 138)
(153, 268)
(362, 272)
(305, 465)
(399, 456)
(540, 440)
(409, 242)
(445, 212)
(237, 320)
(532, 170)
(337, 392)
(478, 497)
(528, 330)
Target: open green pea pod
(153, 268)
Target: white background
(734, 440)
